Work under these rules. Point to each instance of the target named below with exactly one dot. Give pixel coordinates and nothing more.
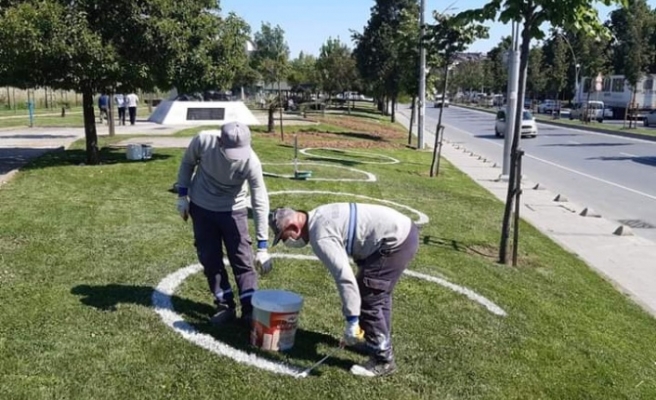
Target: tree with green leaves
(633, 54)
(409, 32)
(271, 60)
(271, 57)
(446, 38)
(93, 47)
(558, 67)
(469, 75)
(498, 71)
(336, 68)
(579, 15)
(303, 71)
(537, 73)
(378, 50)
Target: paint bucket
(134, 152)
(275, 319)
(147, 151)
(139, 151)
(302, 175)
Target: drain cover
(637, 224)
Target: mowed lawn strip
(82, 249)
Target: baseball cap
(236, 139)
(278, 220)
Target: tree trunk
(412, 119)
(270, 121)
(523, 63)
(634, 108)
(393, 113)
(282, 133)
(110, 114)
(90, 134)
(438, 141)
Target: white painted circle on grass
(422, 219)
(390, 160)
(164, 308)
(369, 177)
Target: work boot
(374, 367)
(362, 348)
(223, 315)
(246, 319)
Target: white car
(439, 102)
(595, 110)
(650, 119)
(529, 127)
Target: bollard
(30, 108)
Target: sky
(307, 24)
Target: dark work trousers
(121, 115)
(133, 114)
(377, 276)
(211, 228)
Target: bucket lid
(277, 301)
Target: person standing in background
(103, 105)
(132, 100)
(121, 105)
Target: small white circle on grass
(383, 159)
(163, 305)
(422, 219)
(368, 177)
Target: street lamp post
(422, 78)
(578, 84)
(577, 66)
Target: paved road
(613, 175)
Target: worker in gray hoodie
(382, 243)
(215, 196)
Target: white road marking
(575, 130)
(628, 155)
(617, 185)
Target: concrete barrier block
(623, 230)
(588, 212)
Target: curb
(651, 138)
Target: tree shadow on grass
(196, 318)
(481, 250)
(108, 156)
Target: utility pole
(511, 109)
(422, 77)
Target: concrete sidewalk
(20, 145)
(627, 261)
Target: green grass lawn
(82, 249)
(4, 112)
(70, 120)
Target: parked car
(529, 127)
(595, 110)
(547, 107)
(650, 119)
(439, 102)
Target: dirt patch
(370, 126)
(358, 134)
(347, 140)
